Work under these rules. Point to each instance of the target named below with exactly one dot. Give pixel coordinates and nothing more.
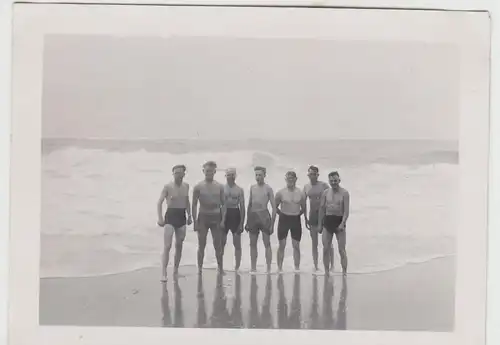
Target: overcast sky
(186, 87)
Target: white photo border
(469, 31)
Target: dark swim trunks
(175, 217)
(233, 220)
(332, 224)
(259, 221)
(290, 224)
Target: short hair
(334, 174)
(210, 164)
(313, 168)
(291, 174)
(260, 168)
(179, 166)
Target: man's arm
(242, 207)
(223, 203)
(303, 207)
(249, 201)
(275, 202)
(188, 209)
(304, 203)
(159, 205)
(194, 207)
(322, 211)
(347, 202)
(273, 206)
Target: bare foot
(164, 279)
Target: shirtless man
(259, 219)
(313, 191)
(290, 204)
(333, 215)
(234, 201)
(210, 194)
(176, 195)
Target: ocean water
(99, 199)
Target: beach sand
(417, 297)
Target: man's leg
(237, 249)
(180, 235)
(327, 252)
(167, 244)
(223, 239)
(266, 239)
(332, 256)
(217, 241)
(296, 253)
(254, 236)
(202, 232)
(314, 242)
(281, 253)
(341, 240)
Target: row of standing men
(221, 208)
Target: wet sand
(418, 297)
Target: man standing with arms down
(314, 190)
(259, 219)
(210, 194)
(176, 194)
(291, 204)
(333, 215)
(234, 201)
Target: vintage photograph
(249, 183)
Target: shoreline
(404, 298)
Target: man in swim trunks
(259, 219)
(210, 194)
(333, 215)
(313, 191)
(176, 195)
(234, 201)
(291, 204)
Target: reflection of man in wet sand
(328, 291)
(254, 317)
(178, 311)
(260, 319)
(258, 217)
(290, 205)
(334, 212)
(234, 201)
(282, 304)
(176, 195)
(201, 319)
(265, 315)
(290, 320)
(236, 314)
(296, 310)
(220, 315)
(313, 191)
(165, 307)
(210, 194)
(341, 322)
(314, 316)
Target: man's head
(179, 171)
(209, 169)
(291, 179)
(231, 175)
(334, 179)
(313, 173)
(260, 174)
